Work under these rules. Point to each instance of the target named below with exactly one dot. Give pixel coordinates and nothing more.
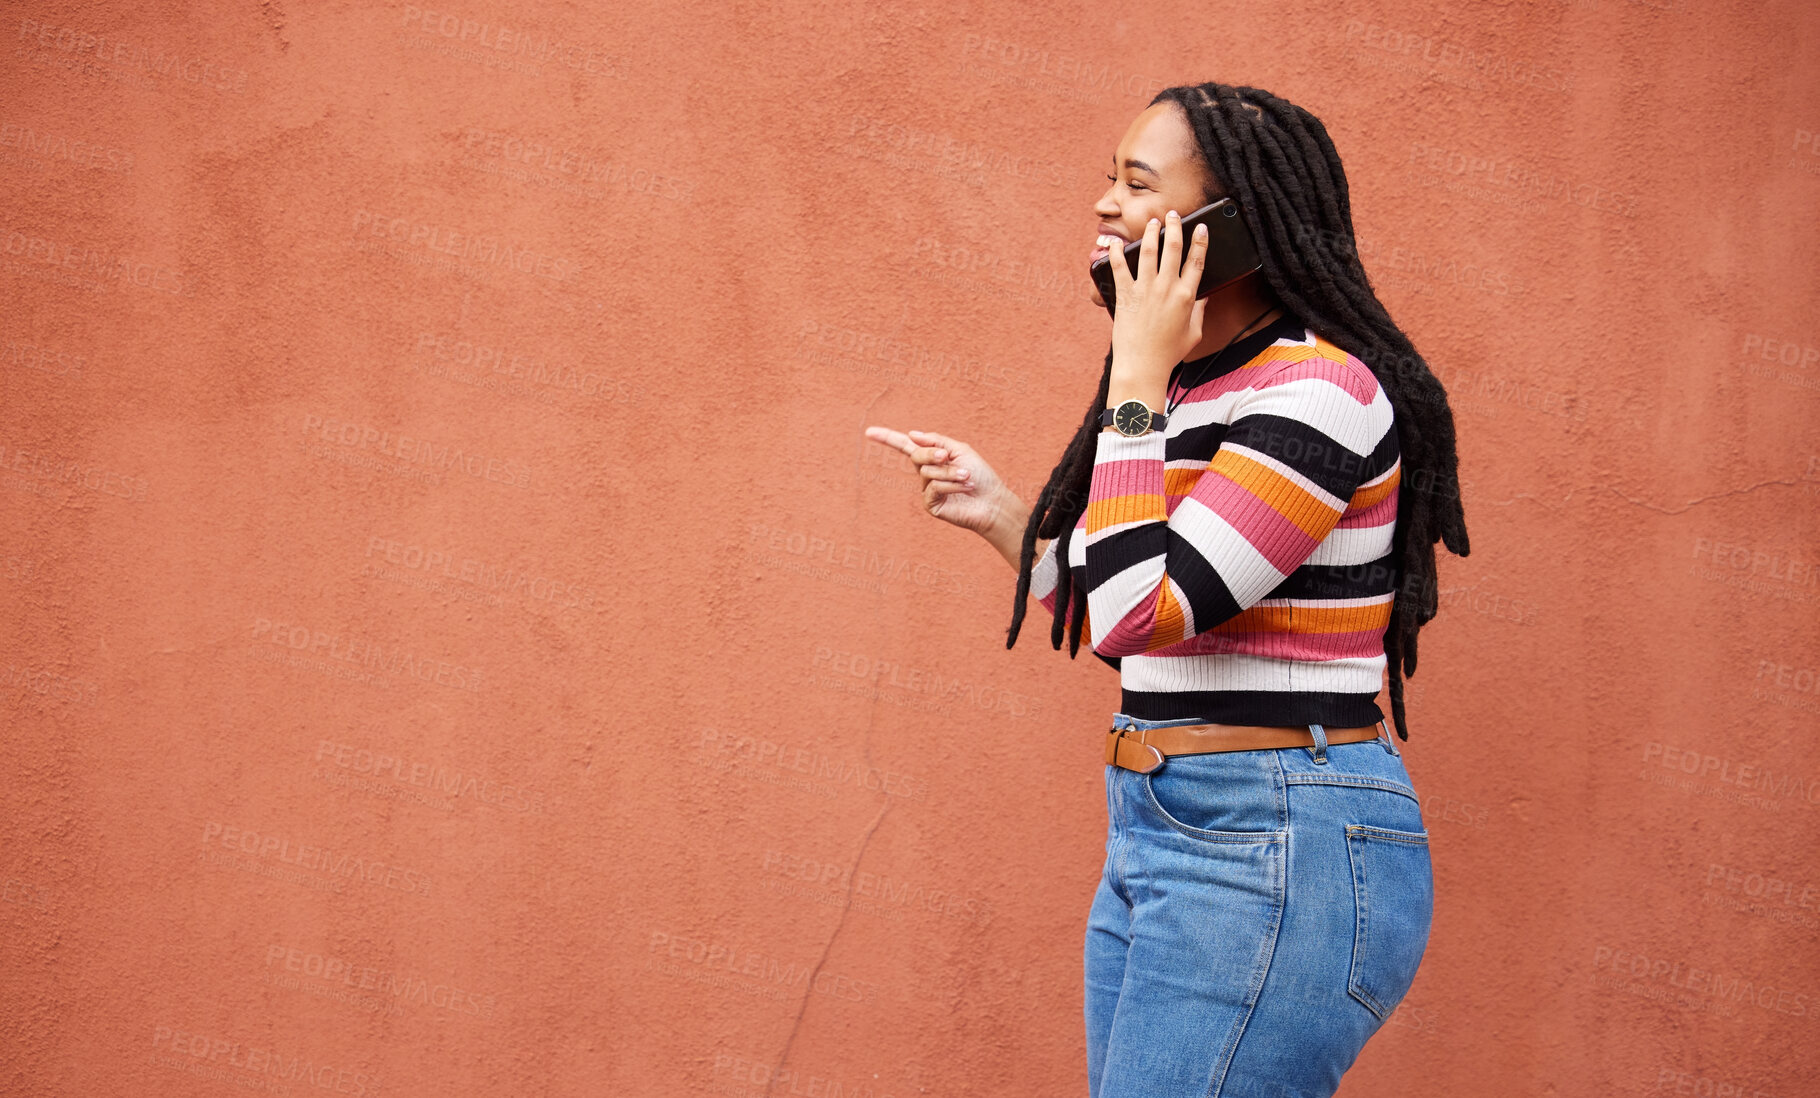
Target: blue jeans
(1260, 915)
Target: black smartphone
(1231, 254)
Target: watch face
(1132, 418)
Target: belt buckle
(1112, 751)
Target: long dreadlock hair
(1276, 160)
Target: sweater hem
(1263, 707)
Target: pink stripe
(1315, 647)
(1134, 633)
(1381, 513)
(1132, 477)
(1357, 381)
(1329, 646)
(1278, 540)
(1219, 387)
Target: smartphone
(1231, 254)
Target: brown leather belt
(1144, 749)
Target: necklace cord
(1174, 398)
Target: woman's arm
(1311, 438)
(1006, 532)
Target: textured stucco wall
(433, 460)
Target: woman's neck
(1231, 308)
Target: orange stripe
(1307, 619)
(1180, 482)
(1257, 619)
(1136, 507)
(1284, 496)
(1171, 623)
(1321, 350)
(1367, 496)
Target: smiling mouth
(1103, 245)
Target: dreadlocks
(1277, 161)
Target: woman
(1251, 561)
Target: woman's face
(1156, 168)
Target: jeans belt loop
(1388, 738)
(1320, 744)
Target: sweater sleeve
(1045, 576)
(1296, 450)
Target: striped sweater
(1238, 565)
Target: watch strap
(1158, 420)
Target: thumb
(1194, 318)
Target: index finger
(894, 439)
(1197, 257)
(1121, 270)
(1172, 247)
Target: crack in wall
(783, 1057)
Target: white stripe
(1326, 407)
(1382, 477)
(1240, 671)
(1247, 573)
(1044, 575)
(1200, 413)
(1353, 544)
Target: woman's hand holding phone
(1158, 319)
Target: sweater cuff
(1127, 481)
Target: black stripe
(1269, 707)
(1194, 443)
(1195, 372)
(1339, 581)
(1209, 599)
(1303, 447)
(1383, 457)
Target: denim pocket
(1209, 797)
(1393, 900)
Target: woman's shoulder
(1315, 356)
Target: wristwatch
(1134, 418)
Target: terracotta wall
(458, 641)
